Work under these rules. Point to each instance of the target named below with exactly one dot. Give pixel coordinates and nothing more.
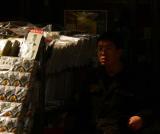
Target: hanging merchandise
(70, 54)
(50, 37)
(17, 64)
(19, 85)
(14, 94)
(8, 124)
(22, 66)
(15, 49)
(30, 46)
(10, 109)
(17, 89)
(9, 78)
(10, 46)
(7, 48)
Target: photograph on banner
(85, 21)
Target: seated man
(118, 94)
(114, 98)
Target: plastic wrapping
(6, 133)
(9, 78)
(10, 46)
(10, 109)
(17, 64)
(8, 124)
(15, 29)
(14, 94)
(30, 46)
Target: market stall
(19, 86)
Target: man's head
(109, 49)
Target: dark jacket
(112, 100)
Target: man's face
(107, 52)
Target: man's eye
(104, 48)
(100, 49)
(108, 48)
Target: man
(114, 98)
(117, 94)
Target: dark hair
(114, 37)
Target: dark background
(137, 20)
(131, 17)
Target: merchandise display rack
(21, 79)
(17, 94)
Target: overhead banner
(85, 21)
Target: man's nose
(102, 51)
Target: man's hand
(135, 122)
